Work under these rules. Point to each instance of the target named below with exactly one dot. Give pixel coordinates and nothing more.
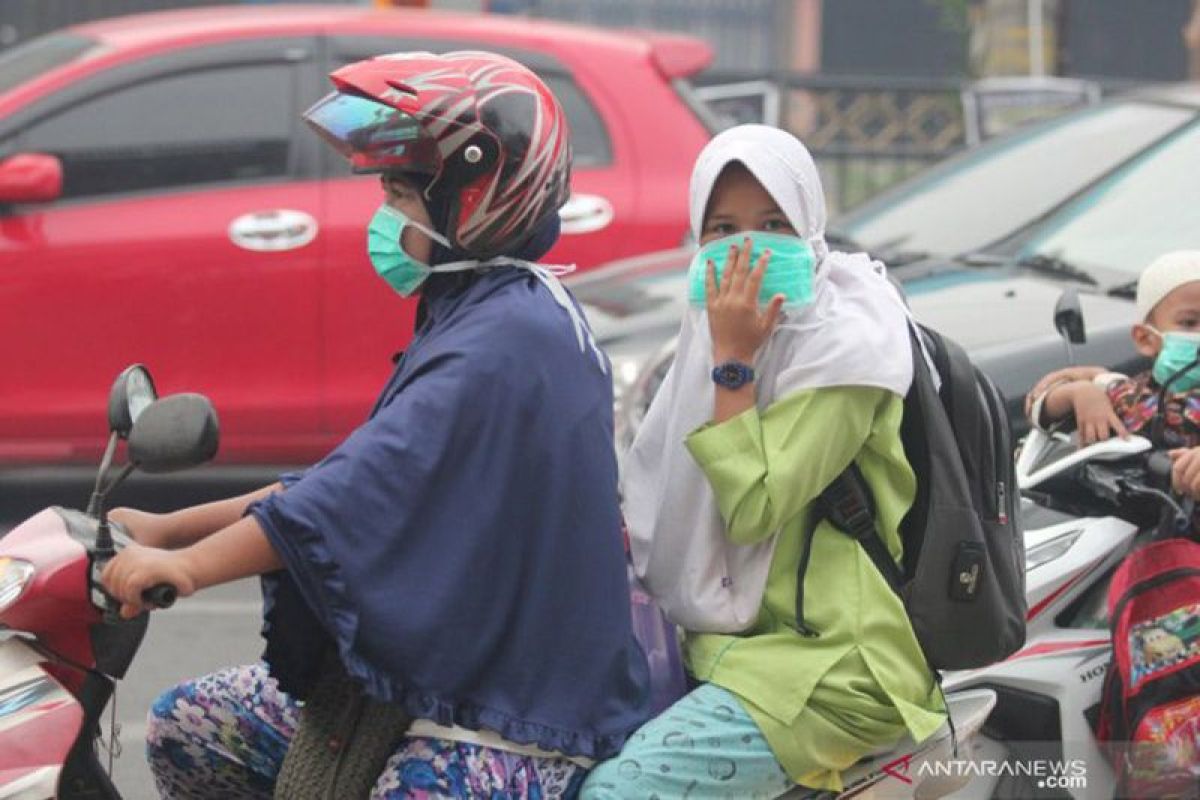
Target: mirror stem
(97, 498)
(104, 541)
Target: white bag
(703, 582)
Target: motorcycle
(63, 645)
(1083, 509)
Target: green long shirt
(821, 702)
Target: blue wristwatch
(732, 374)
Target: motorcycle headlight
(1047, 551)
(15, 575)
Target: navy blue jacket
(462, 548)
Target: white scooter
(1083, 510)
(1034, 739)
(1022, 724)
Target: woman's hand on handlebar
(186, 526)
(146, 528)
(136, 569)
(1185, 472)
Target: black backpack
(963, 576)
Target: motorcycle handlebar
(161, 596)
(1159, 465)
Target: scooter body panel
(1067, 667)
(911, 769)
(55, 605)
(39, 723)
(1075, 553)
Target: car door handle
(585, 213)
(273, 230)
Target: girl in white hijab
(791, 366)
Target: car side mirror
(174, 433)
(1068, 317)
(30, 178)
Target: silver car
(983, 244)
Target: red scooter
(63, 645)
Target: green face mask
(403, 273)
(789, 271)
(1179, 349)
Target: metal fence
(865, 133)
(869, 132)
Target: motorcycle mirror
(1068, 317)
(132, 392)
(174, 433)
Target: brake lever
(1182, 518)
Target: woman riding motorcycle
(460, 552)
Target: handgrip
(161, 595)
(1159, 465)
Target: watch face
(732, 375)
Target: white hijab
(855, 333)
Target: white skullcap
(1164, 275)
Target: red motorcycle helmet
(486, 133)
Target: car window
(589, 138)
(208, 126)
(41, 55)
(989, 193)
(1148, 208)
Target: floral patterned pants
(224, 736)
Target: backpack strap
(803, 627)
(848, 505)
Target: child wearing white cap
(1104, 404)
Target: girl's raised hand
(737, 325)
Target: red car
(201, 228)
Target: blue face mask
(403, 273)
(1179, 348)
(789, 271)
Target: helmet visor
(375, 137)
